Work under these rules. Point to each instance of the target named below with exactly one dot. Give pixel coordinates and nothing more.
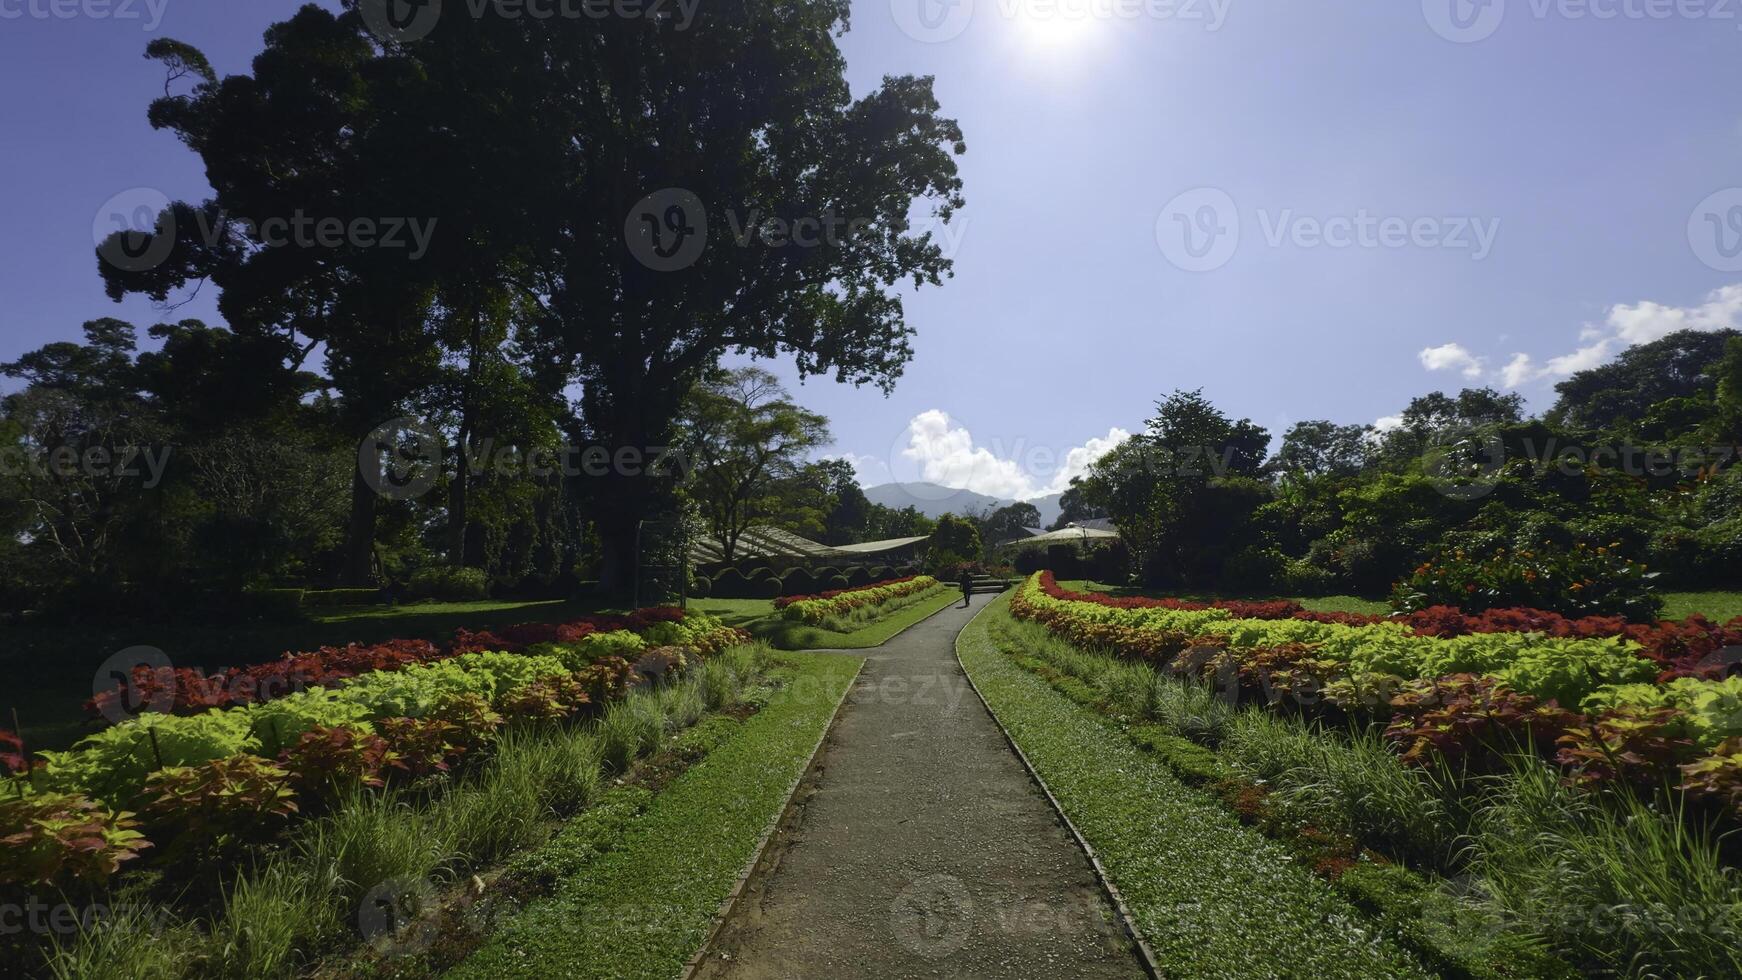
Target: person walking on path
(967, 577)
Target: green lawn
(643, 906)
(1212, 898)
(1718, 606)
(758, 616)
(1335, 603)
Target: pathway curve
(921, 847)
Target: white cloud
(1451, 357)
(942, 451)
(1078, 460)
(1624, 326)
(1386, 423)
(1646, 321)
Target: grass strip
(643, 907)
(785, 634)
(1210, 896)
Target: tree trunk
(360, 535)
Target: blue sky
(1537, 184)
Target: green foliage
(1709, 712)
(53, 838)
(113, 764)
(241, 799)
(1575, 582)
(449, 584)
(955, 542)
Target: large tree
(620, 135)
(324, 134)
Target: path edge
(1111, 890)
(724, 912)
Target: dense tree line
(1637, 456)
(522, 325)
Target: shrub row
(765, 583)
(1593, 703)
(818, 608)
(187, 691)
(240, 772)
(1691, 648)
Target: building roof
(772, 542)
(1065, 535)
(874, 547)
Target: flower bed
(1695, 647)
(1595, 702)
(816, 609)
(256, 763)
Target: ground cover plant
(1593, 829)
(1210, 896)
(237, 829)
(642, 906)
(832, 609)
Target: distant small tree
(954, 543)
(747, 442)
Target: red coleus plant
(238, 799)
(13, 760)
(422, 746)
(1470, 718)
(606, 679)
(327, 761)
(1641, 747)
(49, 838)
(1718, 776)
(549, 699)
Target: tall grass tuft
(371, 838)
(631, 728)
(1631, 888)
(269, 920)
(135, 941)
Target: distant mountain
(935, 501)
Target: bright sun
(1052, 23)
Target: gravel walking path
(921, 847)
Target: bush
(1303, 578)
(448, 584)
(767, 588)
(1579, 581)
(759, 573)
(859, 575)
(798, 581)
(702, 587)
(836, 584)
(882, 573)
(731, 584)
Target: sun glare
(1052, 24)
